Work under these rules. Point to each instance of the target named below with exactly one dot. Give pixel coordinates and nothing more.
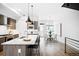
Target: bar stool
(35, 46)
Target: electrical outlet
(19, 50)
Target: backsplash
(11, 31)
(3, 29)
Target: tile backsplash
(3, 29)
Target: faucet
(10, 32)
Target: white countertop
(19, 41)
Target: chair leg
(29, 52)
(38, 52)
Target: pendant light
(28, 19)
(32, 14)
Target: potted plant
(50, 35)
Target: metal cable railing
(72, 44)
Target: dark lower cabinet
(16, 35)
(1, 41)
(1, 20)
(7, 38)
(11, 23)
(14, 50)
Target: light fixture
(32, 14)
(28, 19)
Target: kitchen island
(18, 46)
(7, 37)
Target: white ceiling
(41, 10)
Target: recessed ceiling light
(19, 9)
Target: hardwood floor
(55, 48)
(52, 48)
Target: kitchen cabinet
(35, 24)
(11, 23)
(16, 35)
(10, 36)
(7, 37)
(14, 50)
(2, 39)
(1, 20)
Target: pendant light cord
(28, 9)
(32, 11)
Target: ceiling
(41, 10)
(74, 6)
(19, 8)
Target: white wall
(2, 29)
(70, 24)
(21, 26)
